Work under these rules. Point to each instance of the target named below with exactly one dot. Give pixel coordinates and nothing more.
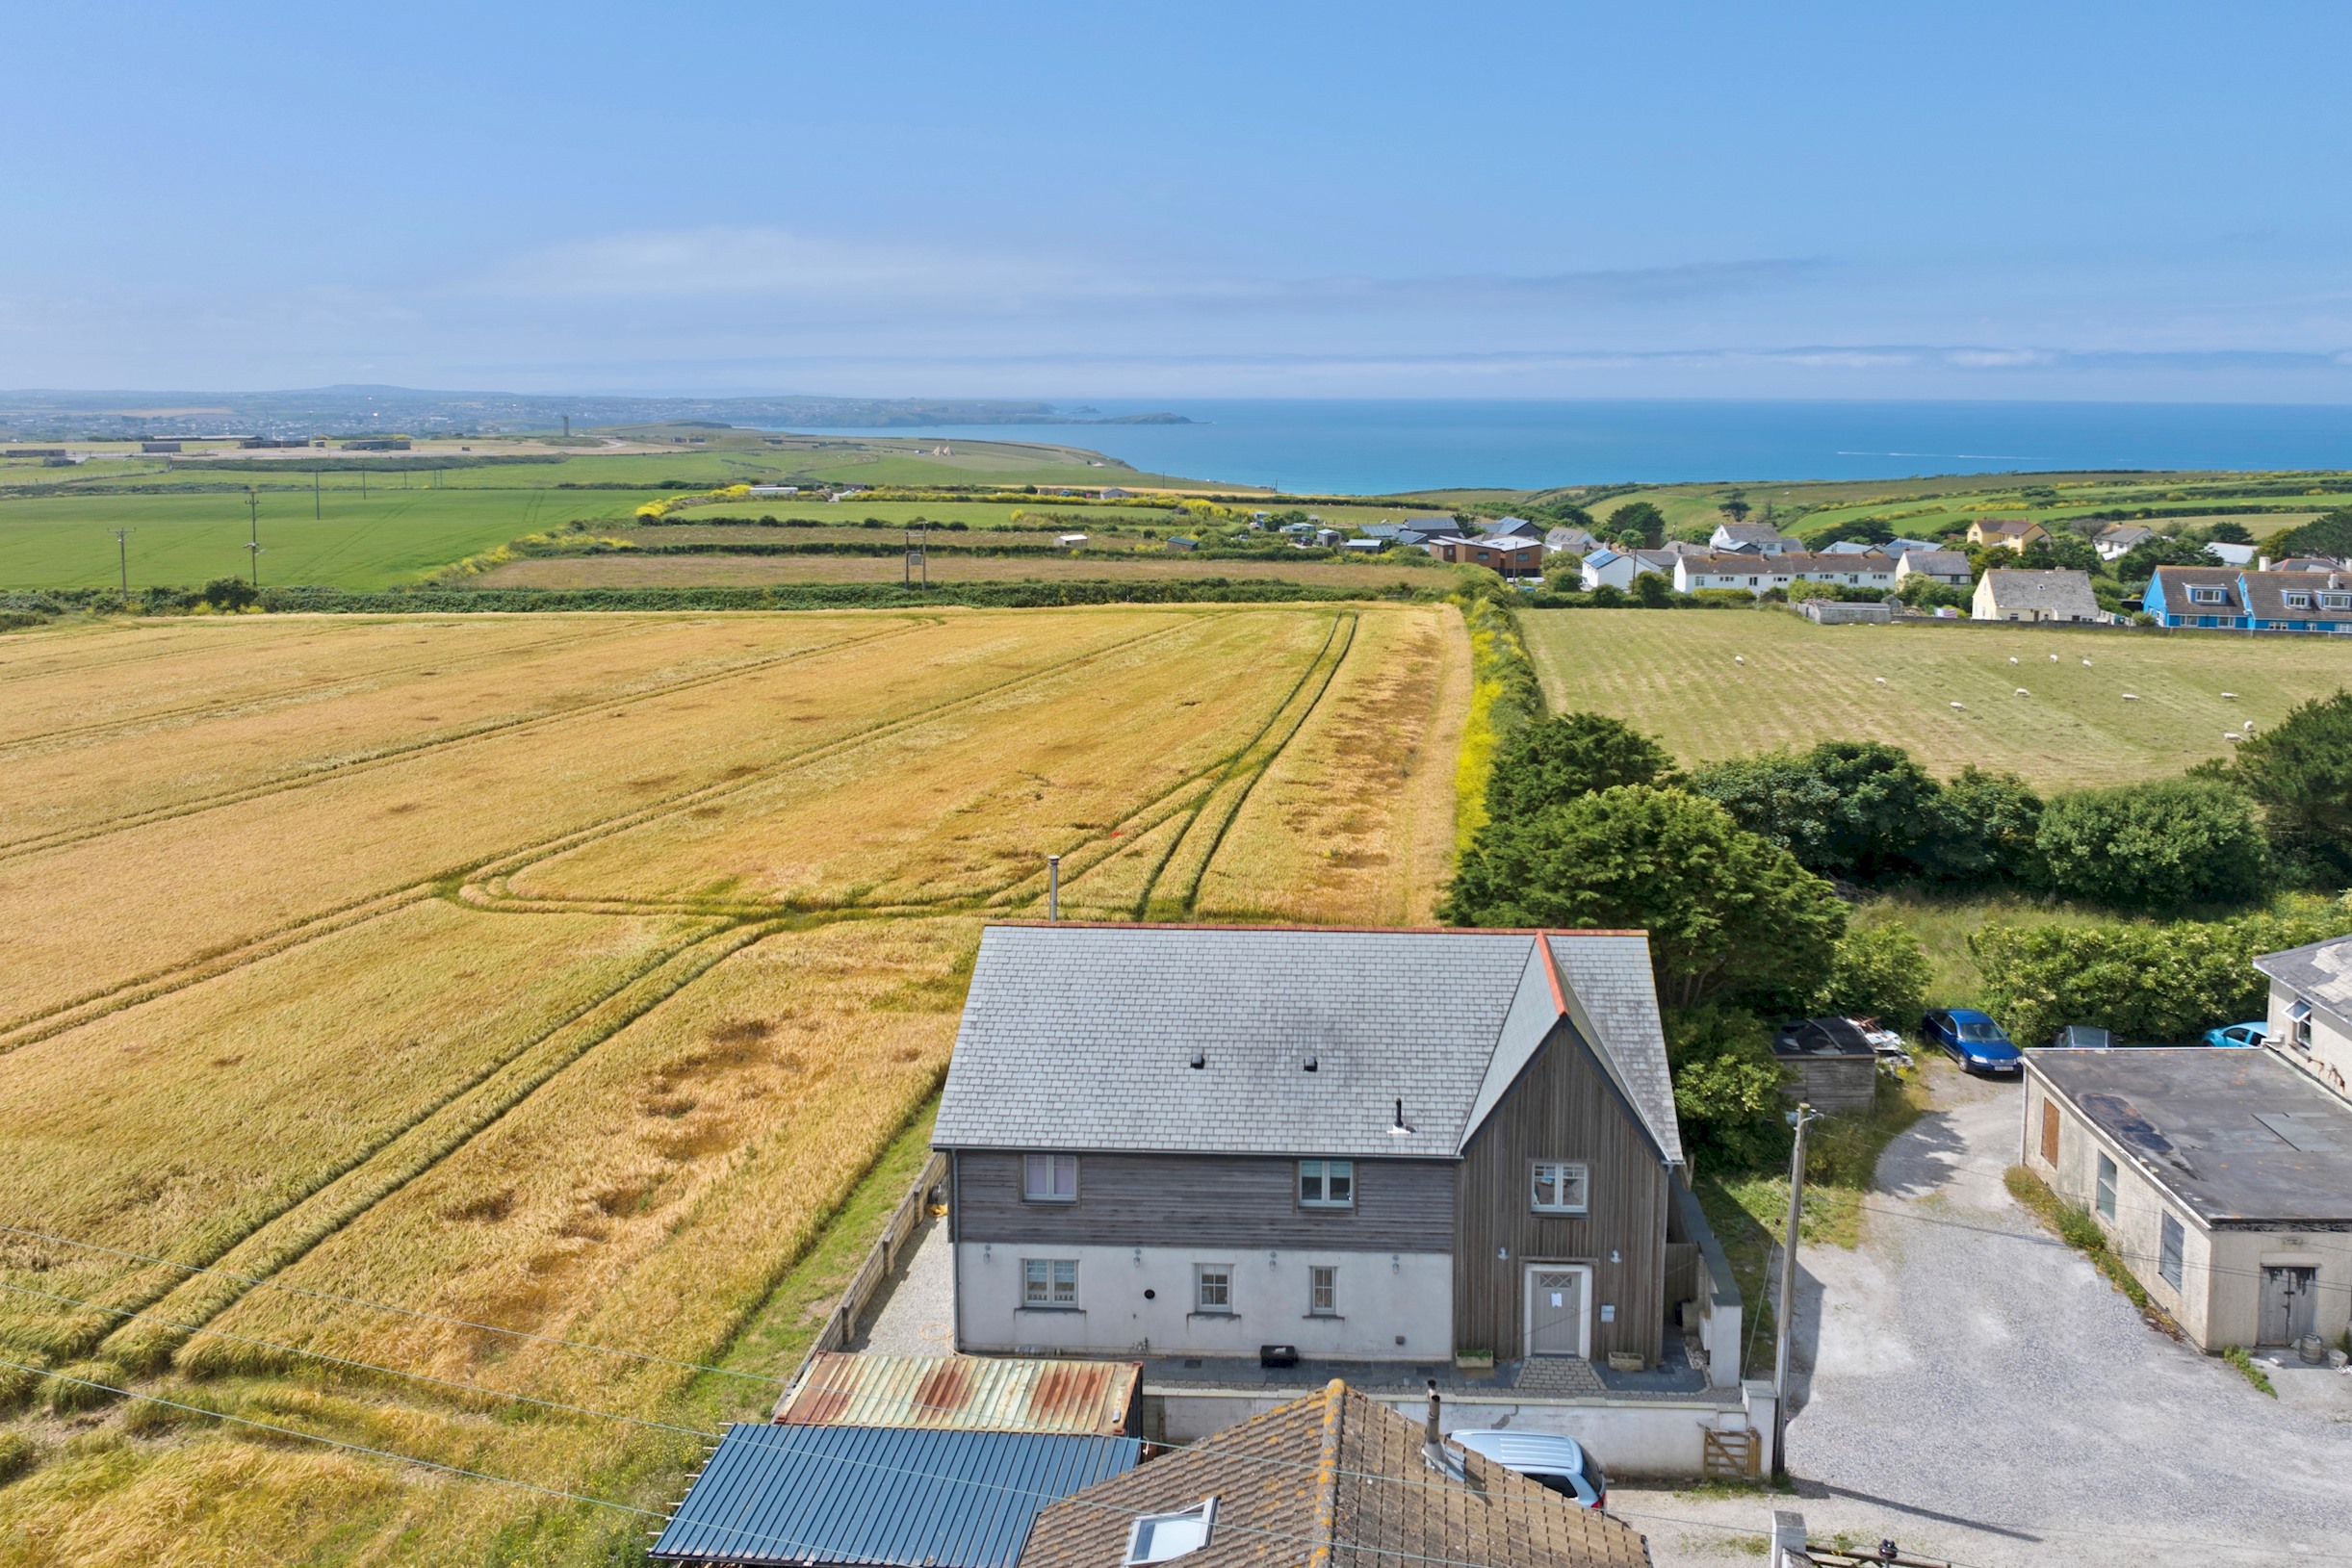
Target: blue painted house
(2235, 598)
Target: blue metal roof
(876, 1494)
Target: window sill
(1327, 1208)
(1323, 1317)
(1049, 1202)
(1562, 1214)
(1054, 1311)
(1213, 1317)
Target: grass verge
(2236, 1355)
(2077, 1229)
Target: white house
(2061, 595)
(2117, 540)
(1760, 537)
(1949, 567)
(1569, 539)
(1758, 574)
(2310, 1008)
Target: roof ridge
(1326, 1477)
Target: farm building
(1506, 553)
(2222, 1178)
(2059, 596)
(1837, 612)
(970, 1393)
(1334, 1479)
(1368, 1146)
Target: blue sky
(1990, 200)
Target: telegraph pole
(314, 495)
(122, 548)
(1803, 1116)
(252, 503)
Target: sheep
(1963, 706)
(2012, 658)
(1881, 680)
(2054, 659)
(1738, 659)
(2232, 736)
(2023, 692)
(2086, 663)
(2229, 696)
(2131, 697)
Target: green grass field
(1718, 684)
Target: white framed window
(2296, 601)
(1050, 1282)
(2336, 600)
(2299, 1024)
(2168, 1252)
(2105, 1195)
(1327, 1184)
(1164, 1537)
(2208, 596)
(1557, 1187)
(1049, 1178)
(1323, 1290)
(1212, 1287)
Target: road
(1974, 1390)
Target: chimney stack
(1429, 1433)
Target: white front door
(1557, 1315)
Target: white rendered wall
(2330, 1058)
(1384, 1297)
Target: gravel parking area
(1972, 1389)
(917, 1316)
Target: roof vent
(1398, 1129)
(1311, 1063)
(1199, 1059)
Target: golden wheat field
(488, 1040)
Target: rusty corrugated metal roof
(970, 1392)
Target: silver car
(1561, 1463)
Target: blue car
(1974, 1040)
(2239, 1034)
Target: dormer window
(2294, 600)
(2336, 600)
(2208, 596)
(1327, 1184)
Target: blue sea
(1381, 447)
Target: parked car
(1561, 1463)
(1975, 1041)
(2239, 1034)
(2083, 1037)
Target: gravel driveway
(1974, 1390)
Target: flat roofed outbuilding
(880, 1496)
(2223, 1179)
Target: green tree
(1640, 516)
(1727, 1097)
(229, 593)
(1880, 973)
(2226, 531)
(2060, 550)
(2329, 536)
(1729, 914)
(1652, 591)
(1850, 808)
(2139, 564)
(1554, 761)
(2155, 846)
(1982, 830)
(1734, 506)
(2301, 776)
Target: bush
(2329, 536)
(1730, 916)
(1880, 973)
(1983, 831)
(1727, 1094)
(2301, 776)
(230, 594)
(19, 1453)
(1557, 759)
(2155, 846)
(2147, 983)
(1850, 808)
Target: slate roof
(1788, 563)
(1337, 1481)
(1935, 563)
(2263, 593)
(1751, 533)
(2060, 592)
(2174, 582)
(882, 1497)
(2321, 974)
(1082, 1037)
